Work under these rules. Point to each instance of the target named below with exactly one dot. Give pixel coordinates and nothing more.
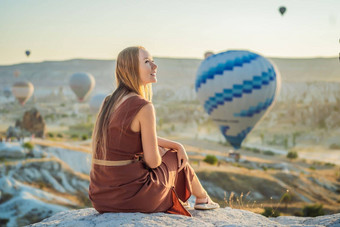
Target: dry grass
(64, 145)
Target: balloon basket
(234, 154)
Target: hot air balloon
(207, 54)
(22, 90)
(236, 89)
(282, 10)
(7, 92)
(96, 102)
(82, 84)
(16, 73)
(27, 52)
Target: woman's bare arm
(168, 143)
(182, 156)
(147, 119)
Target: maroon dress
(133, 187)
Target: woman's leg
(197, 189)
(201, 195)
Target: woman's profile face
(147, 67)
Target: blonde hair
(127, 81)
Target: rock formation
(34, 123)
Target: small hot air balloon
(7, 92)
(22, 90)
(96, 102)
(27, 52)
(236, 89)
(16, 73)
(207, 54)
(282, 10)
(82, 84)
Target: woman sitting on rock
(133, 170)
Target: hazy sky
(99, 29)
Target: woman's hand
(182, 157)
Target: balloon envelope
(22, 90)
(96, 102)
(82, 85)
(27, 52)
(282, 10)
(236, 89)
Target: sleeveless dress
(134, 187)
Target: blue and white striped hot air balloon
(236, 89)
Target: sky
(68, 29)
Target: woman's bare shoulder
(148, 108)
(147, 112)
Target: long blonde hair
(127, 81)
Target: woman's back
(123, 143)
(132, 187)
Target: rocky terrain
(53, 177)
(35, 185)
(219, 217)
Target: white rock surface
(11, 151)
(220, 217)
(83, 163)
(26, 203)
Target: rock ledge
(219, 217)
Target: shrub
(211, 159)
(298, 213)
(286, 198)
(256, 151)
(59, 135)
(268, 153)
(50, 134)
(74, 136)
(292, 155)
(334, 146)
(312, 168)
(28, 145)
(313, 210)
(270, 212)
(329, 164)
(84, 137)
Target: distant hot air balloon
(282, 10)
(16, 73)
(27, 52)
(82, 84)
(236, 89)
(22, 90)
(7, 92)
(96, 102)
(207, 54)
